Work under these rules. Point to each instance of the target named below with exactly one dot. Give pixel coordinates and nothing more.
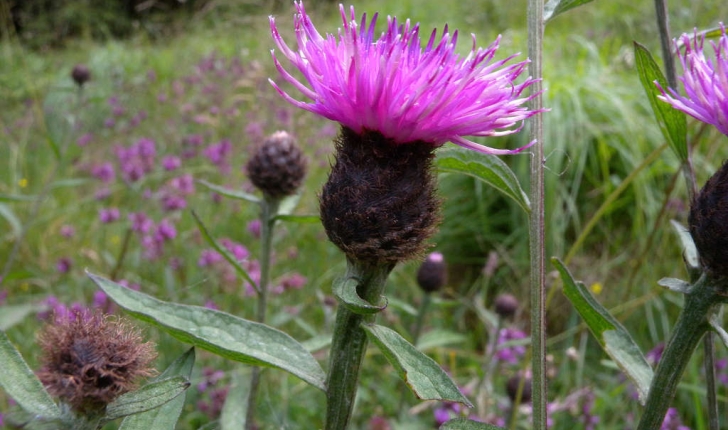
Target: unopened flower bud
(277, 166)
(89, 359)
(379, 204)
(514, 384)
(432, 274)
(708, 221)
(80, 74)
(506, 305)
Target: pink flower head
(705, 81)
(392, 86)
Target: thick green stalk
(537, 220)
(349, 344)
(268, 211)
(689, 329)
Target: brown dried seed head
(80, 74)
(708, 221)
(277, 166)
(432, 274)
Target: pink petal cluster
(705, 81)
(393, 86)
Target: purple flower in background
(84, 139)
(209, 257)
(217, 153)
(104, 172)
(140, 223)
(254, 227)
(165, 231)
(705, 81)
(672, 421)
(171, 162)
(392, 86)
(64, 264)
(108, 215)
(67, 231)
(510, 354)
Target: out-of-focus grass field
(202, 96)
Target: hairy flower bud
(379, 204)
(89, 359)
(512, 387)
(506, 305)
(432, 274)
(277, 166)
(80, 74)
(708, 221)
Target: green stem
(349, 344)
(537, 220)
(268, 211)
(689, 329)
(426, 300)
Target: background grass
(213, 68)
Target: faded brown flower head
(89, 359)
(506, 305)
(379, 204)
(708, 221)
(512, 386)
(432, 274)
(80, 74)
(277, 166)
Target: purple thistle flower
(171, 162)
(391, 86)
(64, 264)
(705, 81)
(104, 172)
(108, 215)
(67, 231)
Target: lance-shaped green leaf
(227, 255)
(676, 285)
(437, 338)
(485, 167)
(557, 7)
(227, 192)
(11, 218)
(21, 384)
(221, 333)
(610, 333)
(466, 424)
(344, 289)
(234, 411)
(300, 219)
(690, 252)
(421, 373)
(715, 319)
(166, 416)
(150, 396)
(13, 314)
(672, 122)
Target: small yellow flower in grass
(596, 288)
(115, 239)
(22, 182)
(24, 287)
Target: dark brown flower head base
(277, 166)
(379, 204)
(708, 221)
(89, 359)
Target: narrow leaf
(438, 338)
(421, 373)
(466, 424)
(224, 252)
(165, 417)
(11, 218)
(300, 219)
(344, 289)
(227, 192)
(234, 410)
(672, 122)
(674, 284)
(21, 384)
(690, 252)
(487, 168)
(715, 321)
(13, 314)
(16, 197)
(610, 333)
(557, 7)
(221, 333)
(150, 396)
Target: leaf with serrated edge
(422, 374)
(345, 290)
(610, 333)
(21, 384)
(672, 122)
(221, 333)
(166, 416)
(227, 192)
(485, 167)
(150, 396)
(466, 424)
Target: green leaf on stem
(300, 219)
(610, 333)
(13, 314)
(221, 333)
(690, 252)
(676, 285)
(227, 255)
(466, 424)
(227, 192)
(21, 384)
(715, 321)
(344, 289)
(557, 7)
(12, 219)
(148, 397)
(233, 415)
(166, 416)
(437, 338)
(422, 374)
(672, 122)
(488, 168)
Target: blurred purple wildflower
(391, 86)
(510, 354)
(108, 215)
(64, 264)
(705, 81)
(67, 231)
(140, 223)
(84, 139)
(104, 172)
(254, 227)
(672, 421)
(171, 162)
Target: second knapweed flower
(705, 81)
(396, 103)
